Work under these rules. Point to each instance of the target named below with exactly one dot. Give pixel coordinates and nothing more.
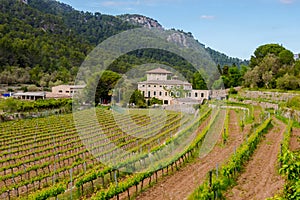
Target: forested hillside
(94, 27)
(222, 59)
(47, 41)
(44, 42)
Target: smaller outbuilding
(30, 95)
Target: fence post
(71, 173)
(280, 164)
(210, 179)
(217, 175)
(116, 179)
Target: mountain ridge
(180, 37)
(144, 21)
(47, 41)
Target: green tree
(297, 68)
(9, 105)
(272, 66)
(263, 51)
(138, 99)
(225, 71)
(218, 84)
(252, 78)
(154, 101)
(288, 82)
(106, 82)
(286, 57)
(198, 82)
(267, 77)
(234, 76)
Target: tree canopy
(273, 66)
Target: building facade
(67, 90)
(162, 85)
(30, 95)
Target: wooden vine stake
(217, 175)
(116, 180)
(280, 155)
(128, 194)
(71, 178)
(210, 179)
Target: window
(196, 94)
(177, 94)
(143, 93)
(154, 85)
(166, 93)
(166, 102)
(60, 91)
(149, 94)
(143, 85)
(190, 94)
(67, 91)
(154, 93)
(149, 85)
(160, 86)
(160, 93)
(202, 94)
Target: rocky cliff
(141, 20)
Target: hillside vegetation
(44, 42)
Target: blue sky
(233, 27)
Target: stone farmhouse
(161, 84)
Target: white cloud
(208, 17)
(287, 1)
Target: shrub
(294, 103)
(232, 91)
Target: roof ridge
(159, 70)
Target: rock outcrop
(141, 20)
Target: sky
(233, 27)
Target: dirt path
(261, 179)
(183, 182)
(295, 140)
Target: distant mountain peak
(141, 20)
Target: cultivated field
(233, 152)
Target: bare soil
(183, 182)
(260, 179)
(295, 139)
(256, 114)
